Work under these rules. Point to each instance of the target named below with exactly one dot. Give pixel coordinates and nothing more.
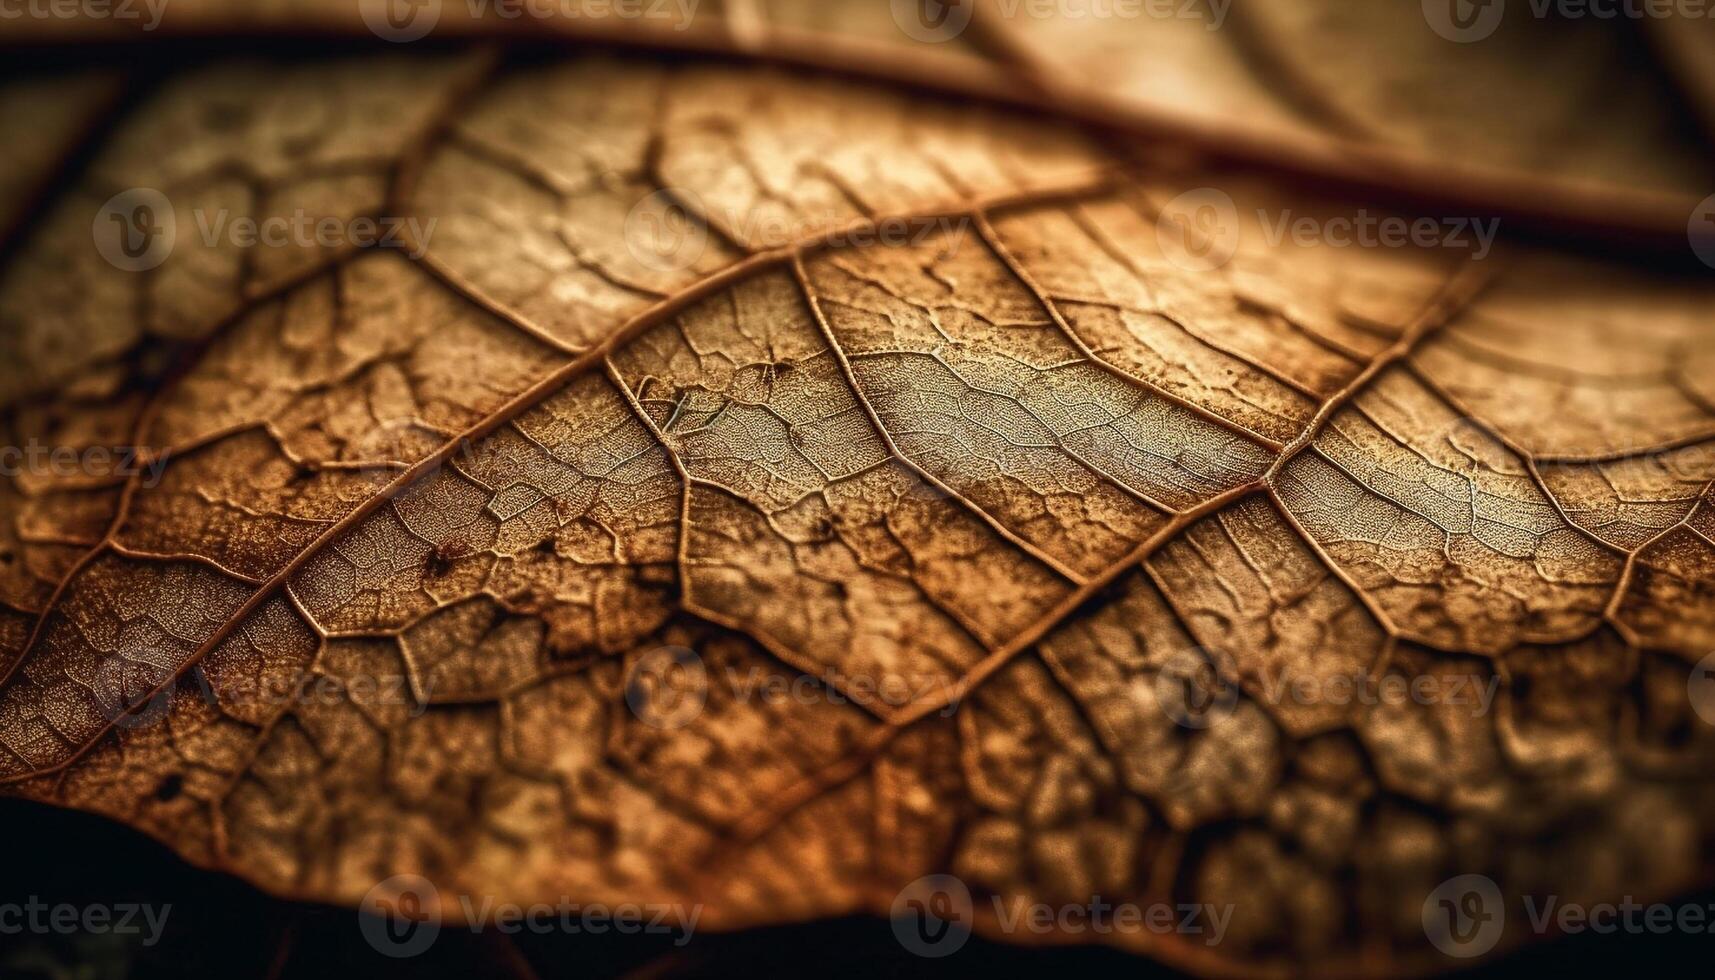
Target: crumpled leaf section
(954, 527)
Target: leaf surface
(411, 524)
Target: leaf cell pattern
(410, 525)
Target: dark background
(221, 928)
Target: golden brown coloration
(985, 487)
